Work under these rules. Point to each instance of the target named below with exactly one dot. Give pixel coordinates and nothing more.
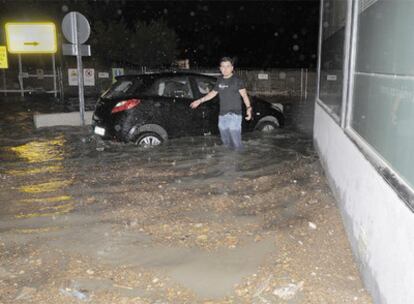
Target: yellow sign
(4, 64)
(31, 37)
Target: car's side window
(205, 85)
(178, 87)
(120, 88)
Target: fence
(285, 85)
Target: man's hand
(249, 113)
(195, 104)
(205, 98)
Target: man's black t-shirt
(228, 90)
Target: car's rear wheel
(147, 140)
(268, 124)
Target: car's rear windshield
(125, 87)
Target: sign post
(4, 82)
(80, 85)
(76, 29)
(54, 75)
(32, 38)
(21, 76)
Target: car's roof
(166, 74)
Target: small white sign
(103, 75)
(73, 77)
(89, 77)
(40, 73)
(183, 64)
(117, 72)
(331, 77)
(263, 76)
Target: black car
(148, 109)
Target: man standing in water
(231, 90)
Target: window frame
(340, 119)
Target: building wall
(380, 226)
(363, 133)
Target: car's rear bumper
(101, 127)
(117, 127)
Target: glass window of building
(383, 96)
(332, 54)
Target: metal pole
(61, 89)
(306, 84)
(21, 76)
(4, 82)
(80, 85)
(301, 84)
(80, 70)
(54, 75)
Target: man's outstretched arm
(205, 98)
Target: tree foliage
(145, 44)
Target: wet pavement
(82, 220)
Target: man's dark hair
(227, 59)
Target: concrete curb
(61, 119)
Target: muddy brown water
(186, 222)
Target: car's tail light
(125, 105)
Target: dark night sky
(259, 33)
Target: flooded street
(82, 220)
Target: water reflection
(34, 171)
(41, 159)
(45, 187)
(41, 150)
(58, 210)
(46, 199)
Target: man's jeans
(230, 130)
